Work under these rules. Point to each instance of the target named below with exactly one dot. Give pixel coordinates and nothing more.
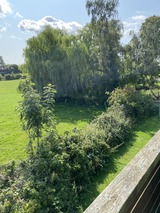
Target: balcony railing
(137, 188)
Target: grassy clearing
(13, 141)
(143, 132)
(69, 117)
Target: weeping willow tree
(57, 58)
(81, 66)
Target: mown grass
(13, 141)
(142, 133)
(69, 117)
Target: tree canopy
(81, 66)
(141, 57)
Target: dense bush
(134, 103)
(12, 76)
(116, 125)
(54, 174)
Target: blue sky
(22, 19)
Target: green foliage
(13, 141)
(149, 34)
(61, 166)
(53, 176)
(57, 58)
(82, 67)
(31, 113)
(12, 76)
(23, 68)
(36, 110)
(101, 10)
(134, 103)
(116, 125)
(143, 131)
(140, 58)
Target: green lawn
(69, 117)
(143, 132)
(13, 141)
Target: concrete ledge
(122, 192)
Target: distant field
(13, 141)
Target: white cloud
(18, 15)
(5, 8)
(132, 25)
(3, 29)
(38, 26)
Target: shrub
(8, 77)
(17, 76)
(88, 152)
(12, 76)
(55, 173)
(116, 125)
(135, 103)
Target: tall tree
(150, 45)
(57, 58)
(101, 10)
(150, 36)
(106, 34)
(141, 56)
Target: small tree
(36, 110)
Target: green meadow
(12, 140)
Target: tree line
(9, 71)
(86, 65)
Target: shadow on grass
(149, 126)
(102, 177)
(72, 113)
